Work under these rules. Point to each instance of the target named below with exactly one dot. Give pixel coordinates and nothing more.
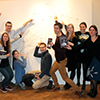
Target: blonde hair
(73, 34)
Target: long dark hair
(7, 43)
(14, 57)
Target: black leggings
(79, 73)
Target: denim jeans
(8, 75)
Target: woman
(82, 54)
(19, 67)
(5, 68)
(72, 56)
(92, 45)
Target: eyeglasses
(9, 26)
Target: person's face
(16, 54)
(57, 29)
(42, 48)
(70, 29)
(92, 32)
(5, 37)
(8, 27)
(82, 28)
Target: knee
(34, 86)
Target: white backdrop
(43, 12)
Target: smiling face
(8, 27)
(42, 48)
(57, 30)
(83, 28)
(16, 54)
(92, 32)
(70, 29)
(5, 37)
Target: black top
(82, 54)
(46, 61)
(72, 56)
(5, 62)
(93, 49)
(60, 53)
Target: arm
(21, 64)
(36, 54)
(58, 50)
(20, 28)
(47, 66)
(18, 37)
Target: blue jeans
(8, 74)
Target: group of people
(82, 48)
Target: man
(12, 34)
(42, 76)
(61, 61)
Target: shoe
(83, 87)
(55, 88)
(3, 90)
(65, 85)
(8, 88)
(79, 93)
(50, 85)
(68, 87)
(21, 85)
(93, 95)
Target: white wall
(43, 12)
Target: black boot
(65, 85)
(50, 85)
(94, 94)
(90, 93)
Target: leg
(72, 75)
(78, 73)
(10, 72)
(6, 77)
(42, 82)
(0, 77)
(63, 73)
(53, 69)
(94, 91)
(84, 75)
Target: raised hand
(25, 56)
(51, 44)
(21, 54)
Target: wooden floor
(44, 94)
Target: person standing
(60, 63)
(71, 56)
(82, 35)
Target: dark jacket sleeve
(47, 66)
(58, 50)
(36, 54)
(79, 47)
